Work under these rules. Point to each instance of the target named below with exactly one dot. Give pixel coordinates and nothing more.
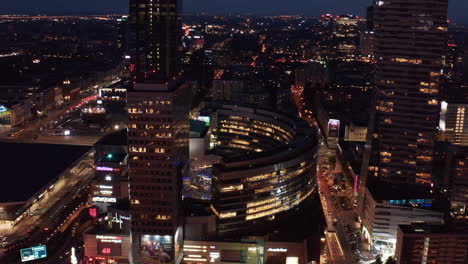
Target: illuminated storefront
(251, 252)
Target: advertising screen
(333, 128)
(28, 254)
(109, 245)
(109, 249)
(205, 119)
(157, 249)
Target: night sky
(458, 8)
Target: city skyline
(279, 132)
(259, 7)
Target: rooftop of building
(198, 128)
(26, 168)
(113, 158)
(386, 191)
(304, 139)
(124, 83)
(118, 138)
(424, 228)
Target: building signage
(102, 168)
(28, 254)
(277, 250)
(110, 239)
(105, 199)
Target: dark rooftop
(382, 190)
(424, 228)
(118, 138)
(113, 158)
(125, 83)
(26, 168)
(197, 128)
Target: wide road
(31, 132)
(339, 251)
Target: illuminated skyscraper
(158, 131)
(410, 40)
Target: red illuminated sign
(106, 251)
(93, 212)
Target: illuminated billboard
(109, 245)
(205, 119)
(157, 249)
(4, 115)
(333, 128)
(38, 252)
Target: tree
(391, 260)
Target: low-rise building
(422, 243)
(249, 251)
(111, 183)
(386, 206)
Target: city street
(31, 132)
(342, 225)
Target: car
(346, 227)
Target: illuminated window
(257, 203)
(163, 217)
(404, 60)
(292, 260)
(137, 149)
(227, 214)
(424, 158)
(231, 188)
(160, 150)
(385, 160)
(265, 189)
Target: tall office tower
(158, 136)
(122, 35)
(158, 132)
(155, 37)
(410, 40)
(340, 36)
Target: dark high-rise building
(122, 34)
(158, 132)
(423, 243)
(155, 37)
(158, 137)
(410, 41)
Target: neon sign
(277, 250)
(102, 168)
(105, 199)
